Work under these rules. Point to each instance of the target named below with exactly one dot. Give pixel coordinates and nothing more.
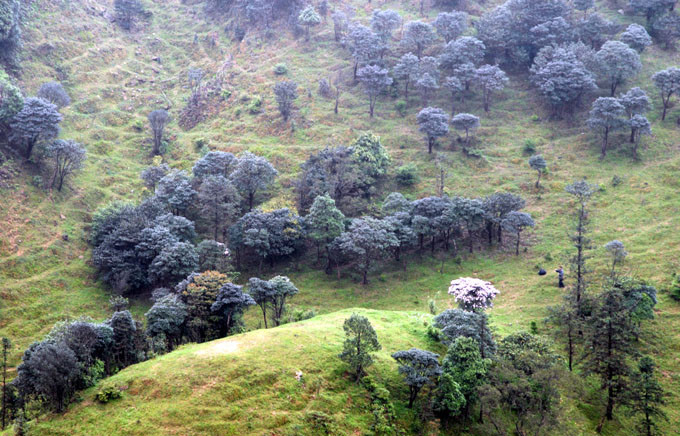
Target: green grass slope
(246, 384)
(114, 82)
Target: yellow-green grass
(44, 279)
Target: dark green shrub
(400, 106)
(407, 175)
(108, 392)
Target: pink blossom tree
(474, 295)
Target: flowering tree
(474, 295)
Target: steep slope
(246, 384)
(114, 81)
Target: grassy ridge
(114, 82)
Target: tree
(636, 37)
(369, 153)
(11, 15)
(606, 117)
(474, 295)
(286, 94)
(282, 289)
(456, 323)
(262, 293)
(450, 25)
(608, 337)
(584, 5)
(456, 88)
(6, 347)
(127, 11)
(213, 256)
(417, 36)
(383, 23)
(594, 30)
(214, 163)
(464, 365)
(11, 100)
(647, 396)
(420, 368)
(360, 341)
(252, 174)
(651, 8)
(668, 83)
(175, 191)
(467, 122)
(230, 304)
(538, 164)
(582, 191)
(173, 263)
(340, 24)
(36, 123)
(496, 207)
(666, 29)
(158, 119)
(309, 17)
(636, 103)
(219, 203)
(406, 69)
(153, 174)
(433, 122)
(561, 76)
(427, 85)
(124, 332)
(199, 292)
(616, 63)
(67, 157)
(490, 78)
(367, 240)
(640, 125)
(54, 93)
(364, 45)
(463, 50)
(375, 80)
(324, 222)
(617, 251)
(516, 222)
(53, 371)
(166, 320)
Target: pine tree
(360, 341)
(646, 397)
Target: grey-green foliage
(406, 70)
(219, 203)
(374, 79)
(127, 12)
(165, 320)
(396, 202)
(455, 323)
(466, 122)
(636, 37)
(384, 22)
(158, 119)
(616, 63)
(251, 175)
(175, 191)
(417, 37)
(229, 305)
(668, 83)
(584, 5)
(367, 241)
(11, 100)
(285, 93)
(151, 175)
(213, 256)
(420, 368)
(10, 33)
(309, 17)
(515, 222)
(173, 263)
(538, 164)
(66, 157)
(433, 123)
(594, 30)
(451, 25)
(651, 9)
(666, 29)
(360, 341)
(36, 123)
(55, 93)
(562, 77)
(466, 49)
(214, 163)
(606, 116)
(364, 45)
(324, 223)
(490, 79)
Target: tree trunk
(605, 140)
(517, 245)
(430, 143)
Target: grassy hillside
(116, 79)
(246, 384)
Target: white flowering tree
(474, 295)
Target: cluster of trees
(10, 34)
(152, 244)
(32, 126)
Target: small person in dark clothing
(560, 276)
